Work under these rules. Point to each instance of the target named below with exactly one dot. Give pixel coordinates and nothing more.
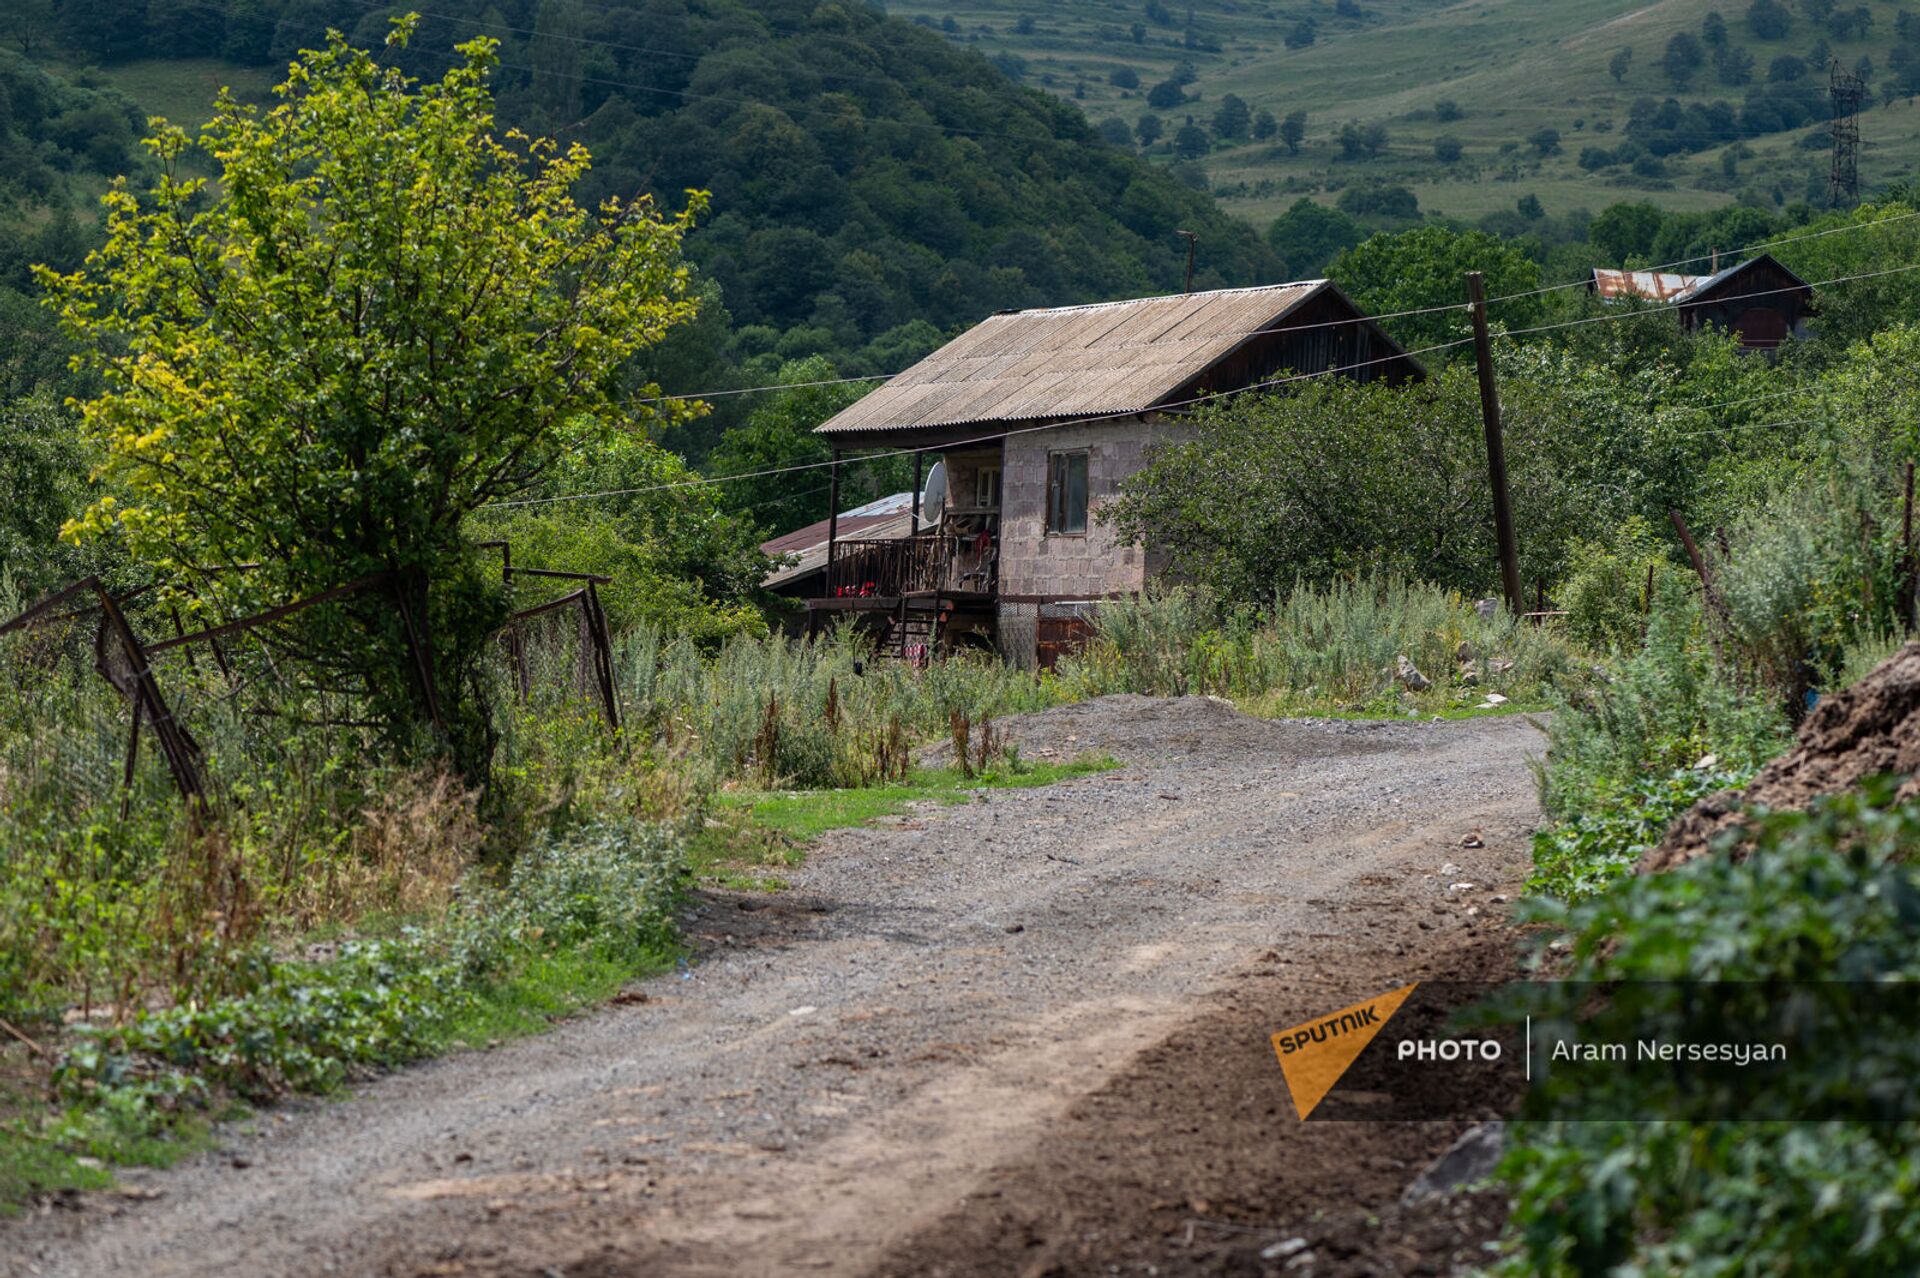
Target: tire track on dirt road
(857, 1064)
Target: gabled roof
(1712, 283)
(1065, 361)
(1666, 286)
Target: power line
(981, 439)
(1731, 297)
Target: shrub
(1658, 710)
(1606, 597)
(1827, 896)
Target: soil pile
(1869, 730)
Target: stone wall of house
(1035, 563)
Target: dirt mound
(1869, 730)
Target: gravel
(849, 1057)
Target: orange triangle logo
(1313, 1056)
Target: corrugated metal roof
(887, 519)
(1655, 286)
(1110, 357)
(1661, 286)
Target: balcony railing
(891, 567)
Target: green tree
(1545, 140)
(42, 463)
(378, 321)
(779, 434)
(1713, 28)
(1308, 236)
(1625, 231)
(1148, 129)
(1619, 64)
(1265, 126)
(1447, 150)
(1334, 477)
(1166, 95)
(1426, 267)
(1683, 57)
(1293, 130)
(1191, 142)
(1233, 119)
(1769, 19)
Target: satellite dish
(933, 498)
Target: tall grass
(1333, 648)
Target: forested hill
(867, 175)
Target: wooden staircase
(913, 625)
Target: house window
(986, 488)
(1067, 492)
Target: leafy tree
(1785, 69)
(1148, 130)
(1115, 131)
(779, 433)
(1544, 140)
(1293, 130)
(1265, 127)
(377, 323)
(42, 462)
(1379, 200)
(1713, 29)
(1191, 142)
(1308, 236)
(1447, 150)
(1769, 19)
(1683, 57)
(1619, 64)
(1530, 208)
(1732, 64)
(1124, 78)
(1358, 139)
(1446, 110)
(1233, 119)
(1301, 34)
(1166, 95)
(1623, 232)
(1159, 14)
(28, 23)
(1426, 267)
(1334, 478)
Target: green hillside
(1510, 67)
(873, 186)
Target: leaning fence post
(173, 742)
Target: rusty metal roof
(1110, 357)
(887, 519)
(1655, 286)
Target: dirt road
(1024, 1035)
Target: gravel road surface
(943, 1049)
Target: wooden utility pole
(1193, 240)
(833, 514)
(1496, 447)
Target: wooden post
(919, 456)
(833, 514)
(174, 744)
(1496, 446)
(133, 756)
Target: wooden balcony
(896, 568)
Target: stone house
(1027, 424)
